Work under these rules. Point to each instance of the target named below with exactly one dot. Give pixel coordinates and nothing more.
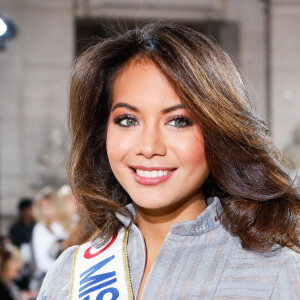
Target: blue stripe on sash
(114, 293)
(93, 269)
(97, 287)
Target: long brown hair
(247, 170)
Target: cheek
(118, 144)
(191, 149)
(111, 143)
(12, 269)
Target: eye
(126, 121)
(180, 122)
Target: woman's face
(155, 151)
(12, 269)
(48, 210)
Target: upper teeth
(152, 174)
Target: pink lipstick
(151, 175)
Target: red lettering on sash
(88, 254)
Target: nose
(151, 143)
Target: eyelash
(187, 121)
(118, 121)
(121, 118)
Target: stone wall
(249, 14)
(34, 72)
(285, 70)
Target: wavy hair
(248, 172)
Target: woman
(11, 264)
(48, 233)
(166, 145)
(75, 227)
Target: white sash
(102, 273)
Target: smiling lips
(151, 176)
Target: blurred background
(39, 40)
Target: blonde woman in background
(48, 233)
(71, 222)
(78, 228)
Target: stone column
(34, 72)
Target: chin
(152, 203)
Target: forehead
(142, 82)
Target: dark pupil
(130, 122)
(179, 122)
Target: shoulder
(40, 234)
(17, 226)
(287, 285)
(271, 262)
(275, 274)
(39, 227)
(14, 225)
(56, 284)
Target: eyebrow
(171, 108)
(133, 108)
(121, 104)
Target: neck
(27, 222)
(156, 223)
